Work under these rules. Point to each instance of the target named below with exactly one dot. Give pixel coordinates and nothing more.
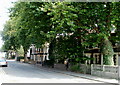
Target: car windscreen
(2, 60)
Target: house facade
(98, 57)
(39, 55)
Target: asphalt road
(17, 72)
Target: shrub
(75, 68)
(20, 57)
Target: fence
(85, 68)
(105, 71)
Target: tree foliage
(69, 27)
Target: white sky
(4, 15)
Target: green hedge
(75, 68)
(20, 57)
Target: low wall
(105, 71)
(86, 69)
(60, 66)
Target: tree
(90, 22)
(30, 24)
(9, 37)
(69, 27)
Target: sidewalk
(85, 76)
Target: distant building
(39, 55)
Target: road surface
(17, 72)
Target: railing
(97, 67)
(113, 69)
(105, 71)
(85, 68)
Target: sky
(4, 15)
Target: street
(17, 72)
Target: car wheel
(5, 66)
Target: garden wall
(105, 71)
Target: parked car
(3, 62)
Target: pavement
(85, 76)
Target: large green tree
(69, 27)
(9, 36)
(91, 22)
(32, 24)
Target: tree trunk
(107, 51)
(79, 43)
(25, 56)
(51, 55)
(10, 55)
(16, 55)
(7, 55)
